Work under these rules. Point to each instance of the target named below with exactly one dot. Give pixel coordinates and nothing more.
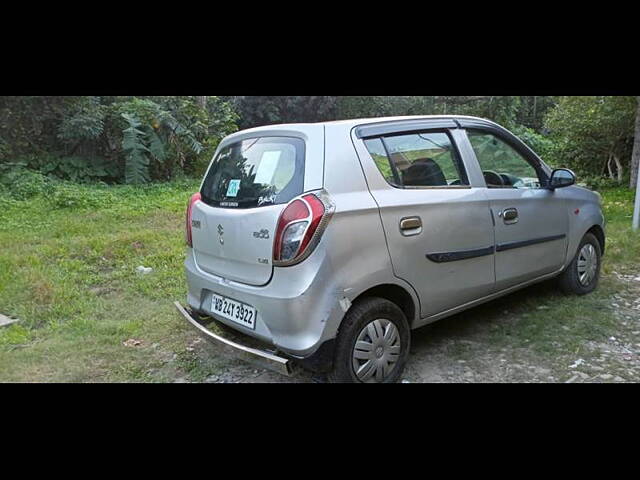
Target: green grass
(68, 273)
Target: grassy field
(68, 272)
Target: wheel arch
(598, 232)
(395, 294)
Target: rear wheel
(373, 343)
(582, 274)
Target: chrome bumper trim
(251, 355)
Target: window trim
(397, 133)
(403, 127)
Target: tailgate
(235, 244)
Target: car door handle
(509, 216)
(410, 226)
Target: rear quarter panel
(356, 245)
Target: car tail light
(194, 198)
(300, 227)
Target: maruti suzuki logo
(220, 234)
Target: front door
(531, 222)
(438, 228)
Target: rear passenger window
(418, 160)
(379, 155)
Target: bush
(21, 184)
(597, 183)
(76, 168)
(6, 200)
(88, 139)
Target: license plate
(237, 312)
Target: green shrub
(76, 168)
(597, 183)
(21, 183)
(6, 199)
(90, 138)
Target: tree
(112, 139)
(268, 110)
(593, 134)
(202, 102)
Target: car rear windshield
(256, 172)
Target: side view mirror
(561, 177)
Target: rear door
(247, 186)
(531, 222)
(437, 223)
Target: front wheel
(373, 343)
(582, 274)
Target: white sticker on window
(267, 167)
(234, 186)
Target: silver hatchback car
(328, 243)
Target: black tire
(360, 314)
(569, 280)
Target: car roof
(350, 123)
(374, 126)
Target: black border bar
(501, 247)
(460, 255)
(445, 257)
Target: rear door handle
(410, 226)
(509, 216)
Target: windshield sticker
(267, 167)
(234, 186)
(267, 199)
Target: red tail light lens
(194, 198)
(299, 228)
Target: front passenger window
(502, 166)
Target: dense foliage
(141, 139)
(593, 135)
(113, 139)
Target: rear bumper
(252, 355)
(297, 312)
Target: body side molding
(443, 257)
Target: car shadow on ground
(471, 322)
(485, 343)
(510, 339)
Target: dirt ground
(476, 345)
